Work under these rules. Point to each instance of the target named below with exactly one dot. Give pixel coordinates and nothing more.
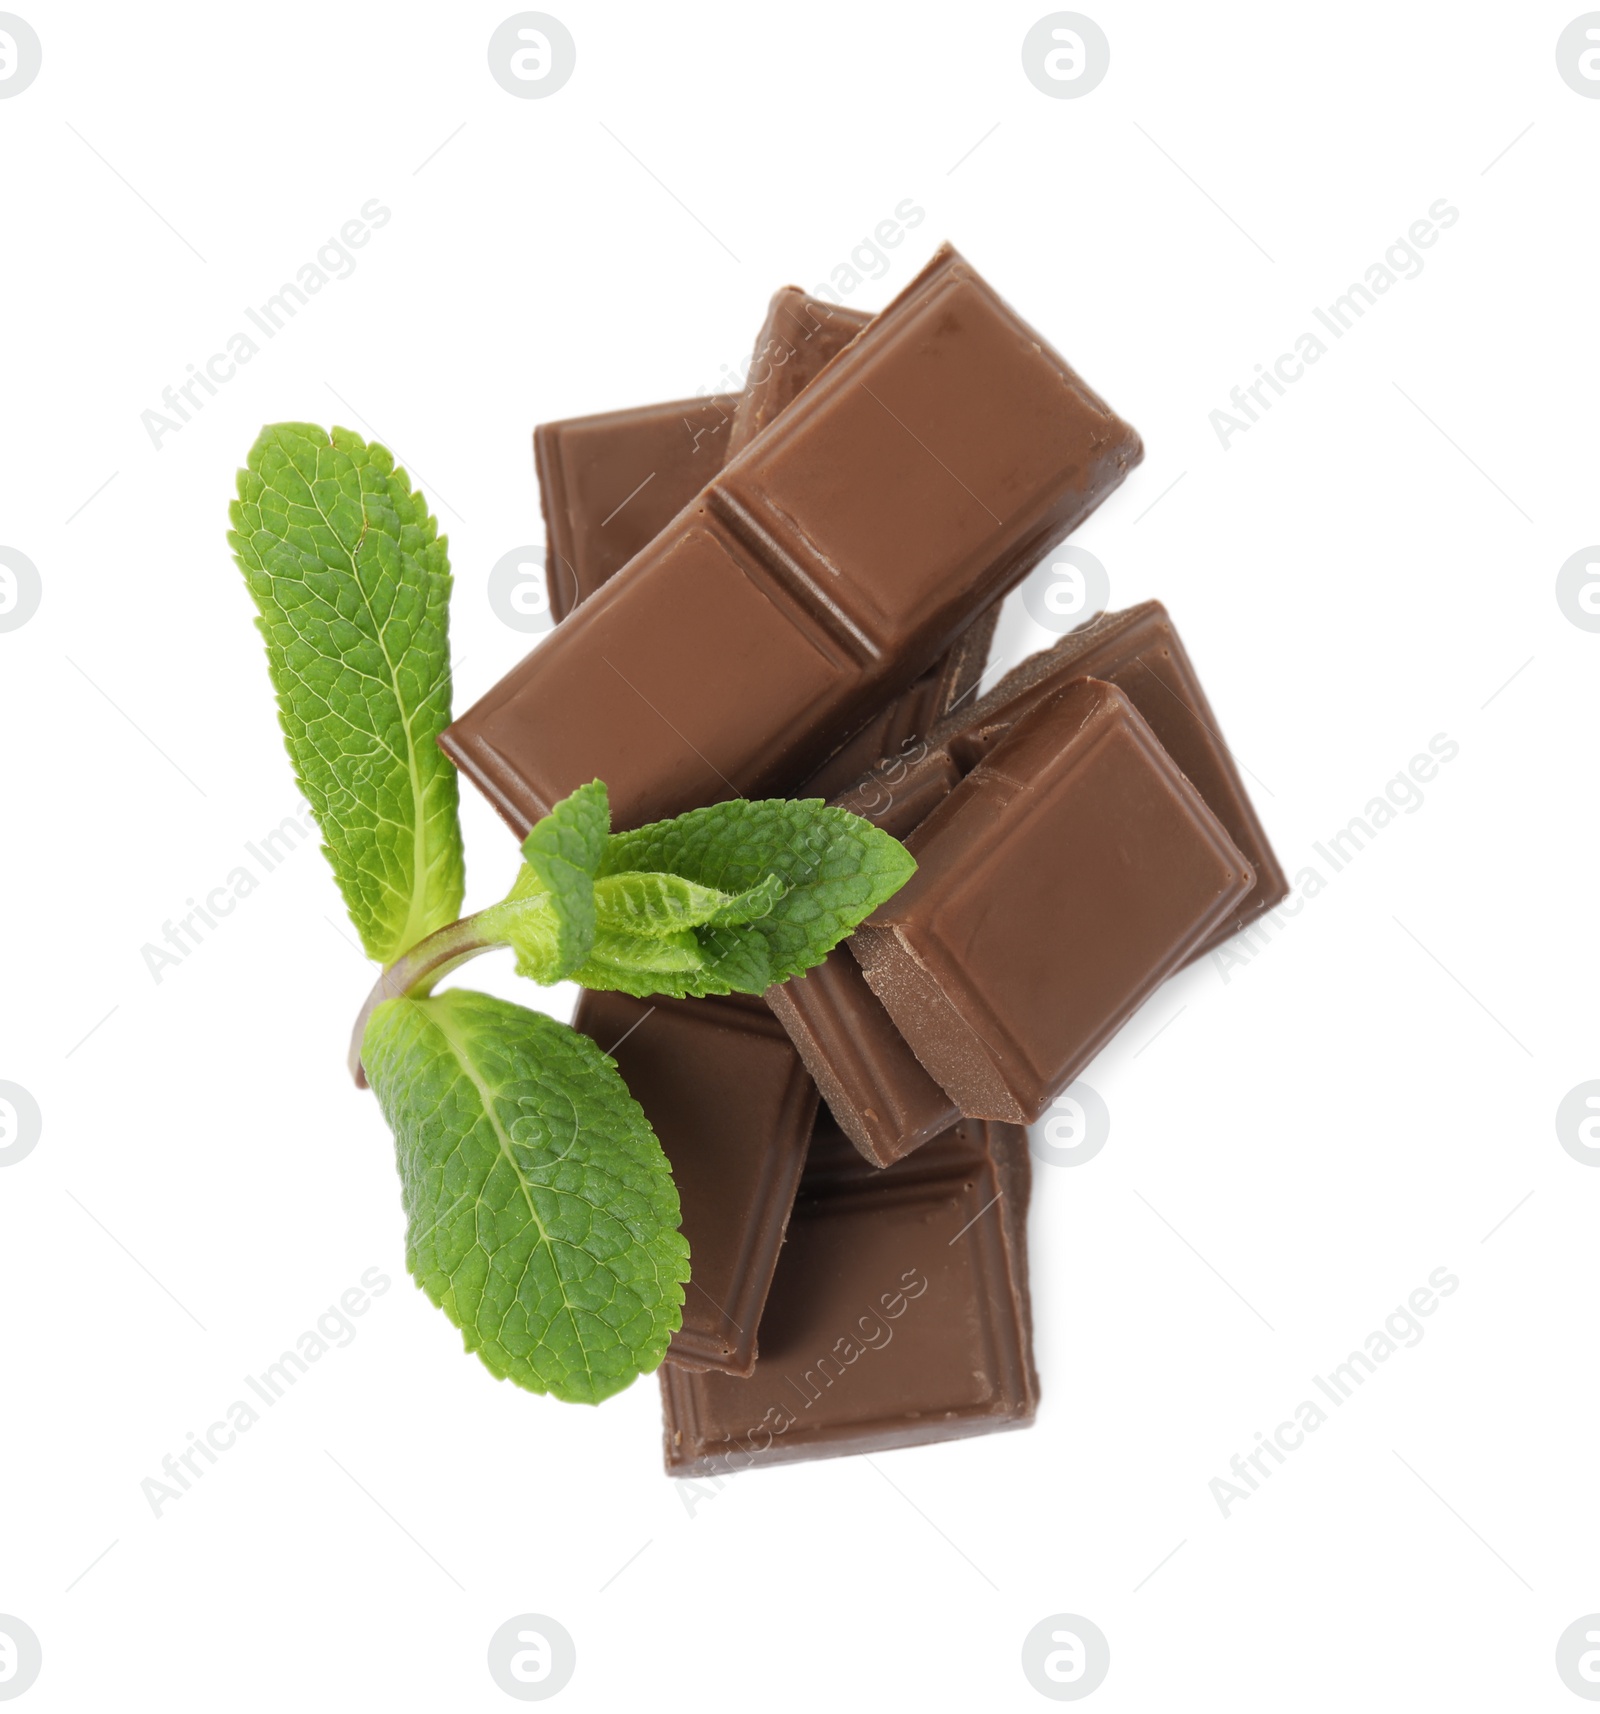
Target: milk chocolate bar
(733, 1107)
(609, 483)
(817, 576)
(899, 1316)
(1068, 875)
(875, 1086)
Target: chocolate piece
(1071, 872)
(899, 1315)
(611, 483)
(819, 575)
(875, 1086)
(733, 1108)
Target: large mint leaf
(351, 582)
(542, 1216)
(822, 870)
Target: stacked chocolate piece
(792, 592)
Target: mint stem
(414, 973)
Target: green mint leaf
(817, 870)
(351, 581)
(541, 1213)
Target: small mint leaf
(351, 582)
(541, 1213)
(822, 871)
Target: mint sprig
(726, 899)
(797, 877)
(541, 1213)
(351, 582)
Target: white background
(1366, 1099)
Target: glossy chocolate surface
(608, 484)
(826, 567)
(874, 1084)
